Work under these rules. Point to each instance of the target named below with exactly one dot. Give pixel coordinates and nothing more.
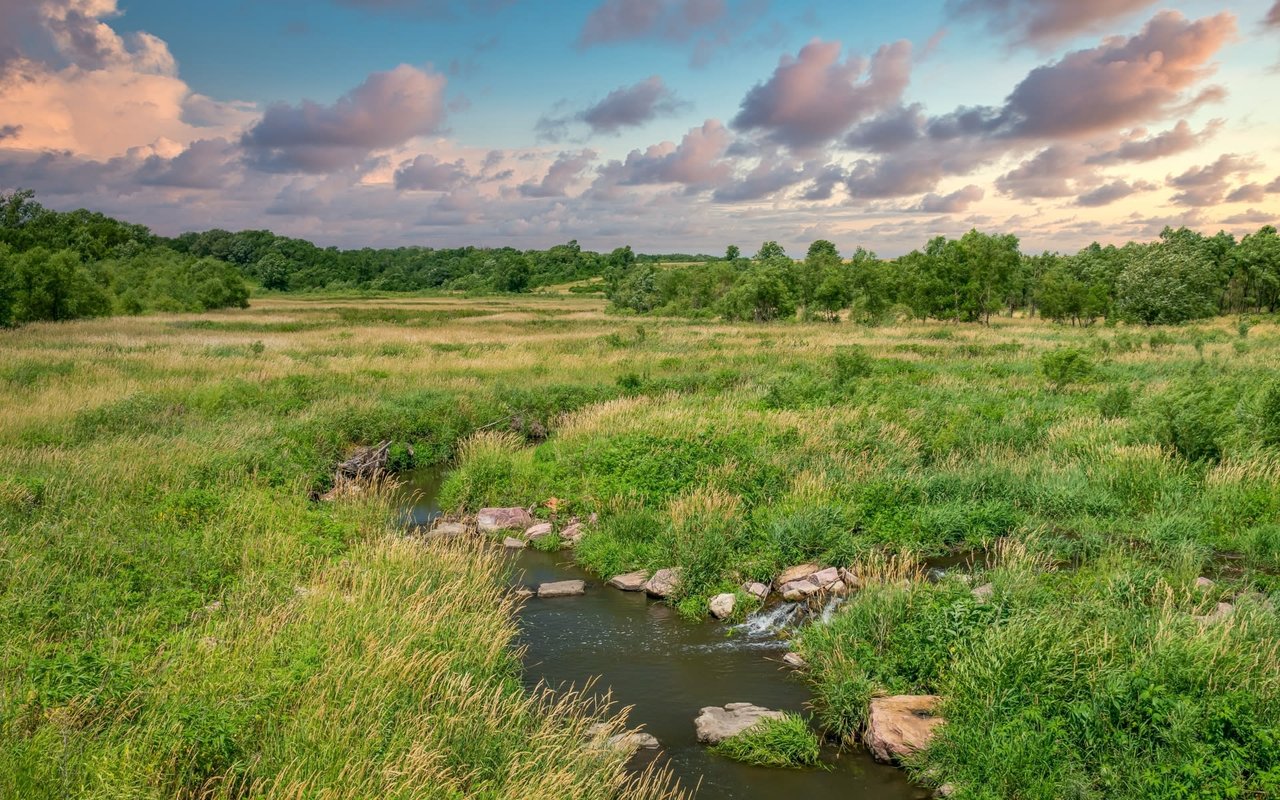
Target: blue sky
(667, 124)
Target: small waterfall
(829, 609)
(770, 621)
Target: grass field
(179, 620)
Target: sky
(667, 125)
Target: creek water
(667, 668)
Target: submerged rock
(630, 582)
(539, 531)
(513, 544)
(794, 661)
(663, 583)
(562, 589)
(722, 605)
(715, 724)
(491, 520)
(627, 741)
(523, 592)
(900, 725)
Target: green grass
(787, 742)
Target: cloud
(560, 176)
(1109, 193)
(1273, 16)
(1274, 186)
(813, 98)
(695, 163)
(631, 106)
(892, 130)
(954, 203)
(1205, 186)
(625, 107)
(1043, 22)
(1170, 142)
(205, 164)
(1118, 82)
(768, 177)
(9, 131)
(427, 173)
(1251, 217)
(1052, 172)
(623, 20)
(388, 109)
(1248, 193)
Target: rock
(447, 530)
(562, 589)
(1203, 583)
(900, 725)
(799, 590)
(794, 661)
(797, 573)
(757, 590)
(945, 790)
(539, 531)
(513, 544)
(663, 583)
(630, 582)
(715, 724)
(1220, 613)
(632, 741)
(850, 579)
(523, 592)
(838, 588)
(825, 577)
(722, 605)
(572, 533)
(490, 520)
(983, 593)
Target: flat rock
(757, 590)
(1220, 613)
(900, 725)
(799, 590)
(491, 520)
(630, 582)
(540, 531)
(513, 544)
(722, 605)
(562, 589)
(663, 583)
(794, 661)
(983, 593)
(825, 577)
(572, 534)
(447, 530)
(715, 724)
(523, 592)
(797, 573)
(1204, 583)
(632, 741)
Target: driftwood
(365, 464)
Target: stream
(667, 668)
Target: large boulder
(722, 605)
(663, 583)
(491, 520)
(797, 573)
(900, 725)
(799, 590)
(562, 589)
(825, 577)
(715, 724)
(631, 581)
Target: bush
(1192, 422)
(1116, 402)
(784, 742)
(1065, 366)
(1269, 416)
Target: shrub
(1269, 416)
(1192, 423)
(1065, 366)
(784, 742)
(1116, 402)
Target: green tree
(762, 295)
(55, 286)
(770, 251)
(732, 253)
(1173, 281)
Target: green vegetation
(180, 621)
(784, 742)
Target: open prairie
(181, 618)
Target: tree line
(1182, 276)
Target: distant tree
(1174, 281)
(770, 251)
(55, 286)
(273, 271)
(513, 276)
(732, 253)
(1257, 261)
(622, 257)
(760, 295)
(6, 286)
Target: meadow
(180, 619)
